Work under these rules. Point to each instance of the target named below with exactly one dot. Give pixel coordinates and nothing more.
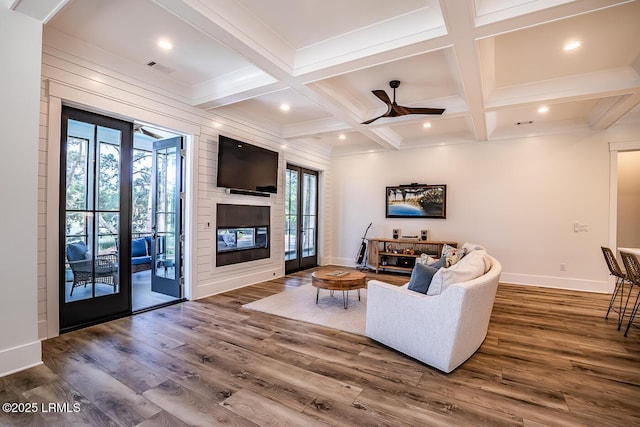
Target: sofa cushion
(421, 277)
(468, 268)
(138, 247)
(452, 255)
(140, 260)
(470, 247)
(429, 260)
(149, 242)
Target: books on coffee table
(337, 273)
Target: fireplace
(242, 233)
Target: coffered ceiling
(490, 63)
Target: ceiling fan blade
(399, 110)
(389, 113)
(374, 119)
(141, 129)
(382, 95)
(412, 110)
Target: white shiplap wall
(70, 79)
(42, 211)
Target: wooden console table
(384, 253)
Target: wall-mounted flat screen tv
(243, 166)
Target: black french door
(95, 218)
(167, 214)
(301, 218)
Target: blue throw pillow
(76, 251)
(138, 247)
(421, 277)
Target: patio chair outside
(102, 269)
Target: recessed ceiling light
(165, 44)
(284, 107)
(426, 125)
(342, 137)
(574, 44)
(543, 109)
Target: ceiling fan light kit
(395, 110)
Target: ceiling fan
(395, 110)
(139, 128)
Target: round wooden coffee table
(338, 280)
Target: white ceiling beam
(459, 19)
(617, 111)
(587, 86)
(42, 10)
(388, 35)
(563, 11)
(314, 127)
(382, 57)
(234, 87)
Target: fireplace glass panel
(242, 238)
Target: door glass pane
(309, 209)
(108, 176)
(141, 194)
(166, 185)
(76, 184)
(92, 194)
(108, 228)
(291, 215)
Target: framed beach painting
(416, 201)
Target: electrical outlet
(563, 267)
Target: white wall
(20, 50)
(519, 198)
(628, 199)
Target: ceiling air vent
(160, 67)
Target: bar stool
(621, 280)
(632, 265)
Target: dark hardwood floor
(550, 358)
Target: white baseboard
(19, 358)
(235, 282)
(341, 262)
(568, 283)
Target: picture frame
(416, 201)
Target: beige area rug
(300, 304)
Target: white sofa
(441, 330)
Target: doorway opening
(628, 196)
(121, 218)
